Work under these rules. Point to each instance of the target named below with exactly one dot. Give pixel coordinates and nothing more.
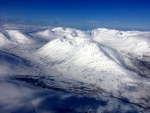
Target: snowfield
(101, 64)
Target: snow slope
(11, 64)
(93, 63)
(115, 62)
(130, 42)
(108, 59)
(18, 37)
(3, 40)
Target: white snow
(17, 36)
(99, 57)
(108, 59)
(136, 43)
(3, 40)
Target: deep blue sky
(82, 14)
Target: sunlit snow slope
(117, 62)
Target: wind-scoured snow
(116, 62)
(18, 37)
(3, 40)
(130, 42)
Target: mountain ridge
(115, 61)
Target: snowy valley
(104, 70)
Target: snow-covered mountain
(117, 63)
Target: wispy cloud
(41, 23)
(8, 20)
(22, 21)
(92, 22)
(30, 21)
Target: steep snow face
(61, 29)
(55, 50)
(60, 47)
(90, 62)
(58, 32)
(46, 34)
(109, 59)
(117, 62)
(3, 40)
(132, 42)
(18, 37)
